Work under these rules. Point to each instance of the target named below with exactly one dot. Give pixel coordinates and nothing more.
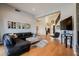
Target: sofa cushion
(20, 47)
(24, 35)
(21, 43)
(7, 41)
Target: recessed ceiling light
(33, 9)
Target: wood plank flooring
(53, 48)
(1, 50)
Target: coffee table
(38, 42)
(33, 40)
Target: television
(66, 24)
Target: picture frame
(14, 25)
(18, 25)
(28, 26)
(9, 25)
(23, 25)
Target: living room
(37, 21)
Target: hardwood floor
(53, 48)
(1, 50)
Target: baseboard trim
(74, 49)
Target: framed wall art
(18, 25)
(28, 26)
(9, 24)
(23, 25)
(14, 25)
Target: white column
(75, 30)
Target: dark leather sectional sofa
(16, 46)
(24, 35)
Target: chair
(56, 35)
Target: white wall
(8, 13)
(42, 26)
(0, 29)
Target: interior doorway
(48, 24)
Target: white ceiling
(38, 9)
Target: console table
(66, 38)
